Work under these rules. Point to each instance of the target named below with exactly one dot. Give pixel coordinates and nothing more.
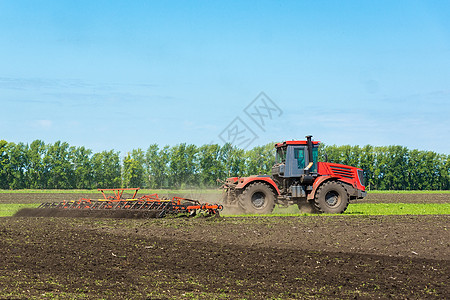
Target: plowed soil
(305, 257)
(406, 198)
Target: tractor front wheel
(257, 198)
(331, 198)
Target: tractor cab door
(297, 160)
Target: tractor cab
(296, 158)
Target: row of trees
(395, 167)
(56, 166)
(61, 166)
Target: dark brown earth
(330, 257)
(305, 257)
(86, 213)
(406, 198)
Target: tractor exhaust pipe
(310, 154)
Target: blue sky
(125, 74)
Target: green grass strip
(7, 210)
(398, 209)
(31, 191)
(369, 209)
(140, 192)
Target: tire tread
(242, 199)
(319, 192)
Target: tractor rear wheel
(331, 198)
(257, 198)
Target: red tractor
(297, 178)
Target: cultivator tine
(102, 205)
(139, 205)
(72, 204)
(48, 204)
(120, 205)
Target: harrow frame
(152, 202)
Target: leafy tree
(106, 169)
(139, 156)
(367, 164)
(233, 161)
(156, 162)
(83, 169)
(446, 173)
(415, 170)
(151, 157)
(332, 152)
(36, 170)
(209, 164)
(260, 159)
(236, 162)
(133, 169)
(183, 165)
(4, 165)
(396, 167)
(58, 165)
(16, 171)
(431, 170)
(132, 172)
(98, 174)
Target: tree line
(394, 167)
(61, 166)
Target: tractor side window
(299, 155)
(315, 158)
(281, 155)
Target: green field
(141, 191)
(398, 209)
(7, 210)
(375, 209)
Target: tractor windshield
(315, 158)
(281, 155)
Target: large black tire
(331, 198)
(307, 207)
(257, 198)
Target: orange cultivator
(145, 206)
